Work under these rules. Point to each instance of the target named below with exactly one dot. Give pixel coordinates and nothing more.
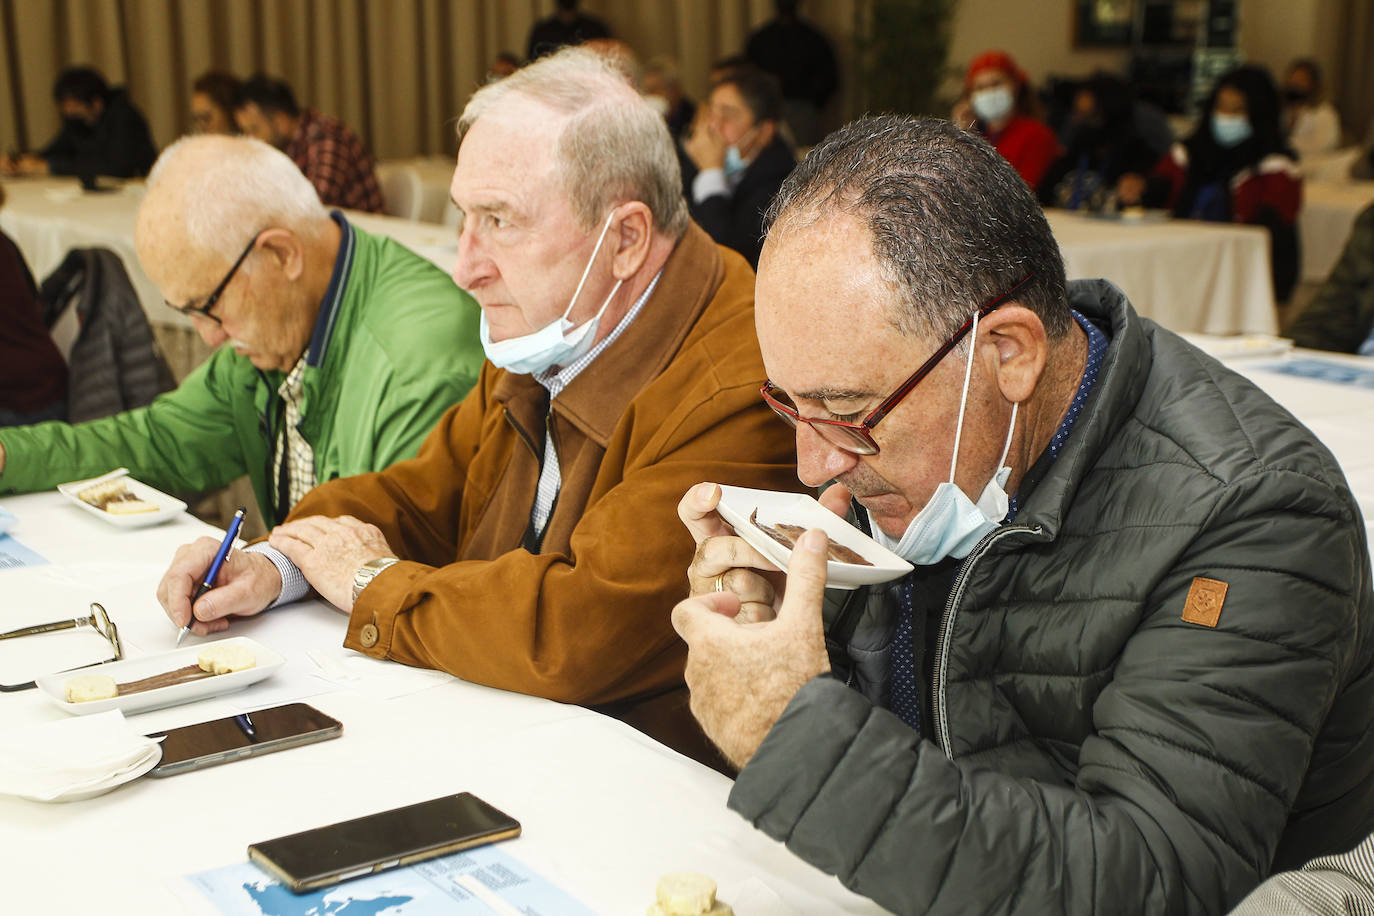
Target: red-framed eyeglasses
(857, 438)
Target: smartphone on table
(324, 856)
(208, 744)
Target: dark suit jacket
(736, 220)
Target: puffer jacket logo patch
(1205, 599)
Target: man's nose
(210, 331)
(818, 460)
(472, 265)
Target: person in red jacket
(998, 104)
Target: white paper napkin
(75, 758)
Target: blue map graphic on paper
(1326, 371)
(424, 889)
(275, 900)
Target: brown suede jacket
(672, 402)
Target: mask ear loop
(595, 251)
(1006, 447)
(963, 398)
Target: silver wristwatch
(367, 572)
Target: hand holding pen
(213, 572)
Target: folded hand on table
(743, 675)
(247, 583)
(328, 552)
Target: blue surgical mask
(950, 524)
(557, 343)
(992, 104)
(1231, 129)
(735, 163)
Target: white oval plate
(167, 506)
(738, 503)
(54, 686)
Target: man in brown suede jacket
(532, 545)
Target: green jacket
(1091, 751)
(396, 345)
(1341, 315)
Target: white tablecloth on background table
(1209, 278)
(1328, 212)
(605, 810)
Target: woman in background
(1236, 167)
(998, 103)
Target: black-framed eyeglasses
(97, 620)
(204, 310)
(857, 438)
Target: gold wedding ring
(720, 582)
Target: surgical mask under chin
(735, 163)
(557, 343)
(950, 524)
(992, 104)
(1231, 130)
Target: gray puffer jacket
(1094, 752)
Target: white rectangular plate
(132, 669)
(167, 506)
(738, 503)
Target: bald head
(208, 195)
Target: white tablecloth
(1210, 278)
(605, 810)
(1328, 212)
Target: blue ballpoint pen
(210, 576)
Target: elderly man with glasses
(343, 348)
(1133, 667)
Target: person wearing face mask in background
(532, 544)
(999, 105)
(102, 133)
(1235, 167)
(737, 158)
(1310, 122)
(1133, 668)
(1103, 145)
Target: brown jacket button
(368, 636)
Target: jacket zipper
(947, 626)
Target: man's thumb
(805, 576)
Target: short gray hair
(234, 187)
(953, 224)
(614, 147)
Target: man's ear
(631, 238)
(286, 251)
(1022, 349)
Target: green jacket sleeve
(1340, 316)
(1201, 741)
(185, 440)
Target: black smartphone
(208, 744)
(324, 856)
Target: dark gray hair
(614, 147)
(953, 223)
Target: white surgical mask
(950, 524)
(557, 343)
(992, 104)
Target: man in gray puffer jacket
(1133, 670)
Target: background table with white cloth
(1209, 278)
(1328, 212)
(605, 810)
